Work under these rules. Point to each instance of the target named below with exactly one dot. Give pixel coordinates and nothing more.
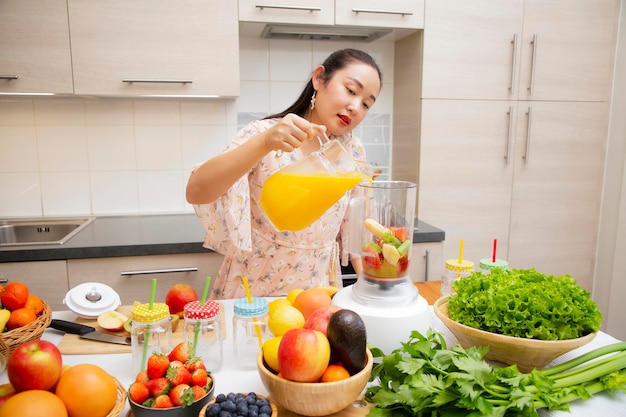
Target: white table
(230, 379)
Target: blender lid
(90, 299)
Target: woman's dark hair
(335, 61)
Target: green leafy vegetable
(424, 378)
(524, 303)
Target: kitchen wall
(105, 156)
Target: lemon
(291, 295)
(270, 352)
(283, 318)
(277, 303)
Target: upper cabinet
(365, 13)
(35, 47)
(155, 47)
(519, 49)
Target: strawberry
(199, 377)
(138, 392)
(177, 374)
(163, 401)
(372, 260)
(401, 233)
(198, 392)
(142, 376)
(180, 352)
(159, 386)
(157, 365)
(195, 363)
(182, 395)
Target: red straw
(495, 245)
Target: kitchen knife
(88, 332)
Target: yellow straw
(256, 326)
(461, 251)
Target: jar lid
(143, 314)
(489, 264)
(244, 308)
(462, 266)
(90, 299)
(195, 311)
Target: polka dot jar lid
(196, 311)
(143, 314)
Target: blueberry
(229, 406)
(225, 414)
(213, 410)
(220, 398)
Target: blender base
(387, 326)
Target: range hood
(330, 33)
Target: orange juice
(294, 201)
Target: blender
(380, 236)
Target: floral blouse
(274, 261)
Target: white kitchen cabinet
(132, 276)
(35, 47)
(541, 203)
(526, 49)
(155, 47)
(311, 12)
(45, 279)
(427, 262)
(374, 13)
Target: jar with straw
(151, 331)
(455, 269)
(249, 328)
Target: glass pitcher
(297, 195)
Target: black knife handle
(71, 327)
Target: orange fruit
(310, 300)
(14, 295)
(87, 391)
(334, 372)
(34, 303)
(21, 317)
(33, 403)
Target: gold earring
(313, 100)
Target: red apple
(6, 392)
(34, 365)
(178, 296)
(318, 320)
(303, 355)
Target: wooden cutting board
(72, 344)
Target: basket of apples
(317, 363)
(176, 384)
(23, 317)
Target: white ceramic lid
(90, 299)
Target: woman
(226, 189)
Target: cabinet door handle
(529, 122)
(507, 156)
(4, 280)
(285, 7)
(426, 264)
(159, 271)
(155, 80)
(531, 86)
(513, 63)
(377, 11)
(8, 77)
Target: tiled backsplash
(106, 156)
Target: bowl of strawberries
(173, 385)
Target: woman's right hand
(290, 133)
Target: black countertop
(143, 235)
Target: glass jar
(249, 330)
(455, 269)
(486, 265)
(151, 333)
(203, 331)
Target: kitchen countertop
(110, 236)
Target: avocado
(348, 339)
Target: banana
(376, 228)
(4, 318)
(330, 290)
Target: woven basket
(10, 340)
(121, 400)
(527, 354)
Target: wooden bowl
(526, 353)
(314, 398)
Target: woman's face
(342, 103)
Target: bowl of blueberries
(239, 404)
